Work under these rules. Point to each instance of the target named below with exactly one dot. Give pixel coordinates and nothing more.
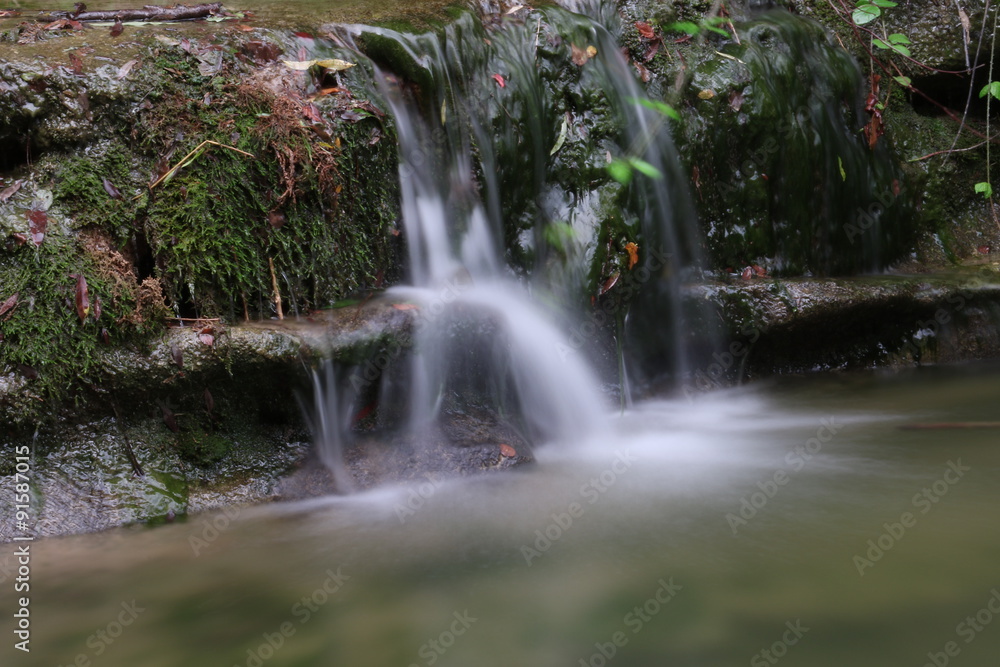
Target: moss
(202, 448)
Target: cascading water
(507, 203)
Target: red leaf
(633, 254)
(759, 271)
(311, 112)
(117, 28)
(207, 339)
(20, 238)
(499, 80)
(645, 30)
(609, 283)
(8, 304)
(651, 51)
(97, 308)
(37, 222)
(983, 250)
(105, 337)
(507, 451)
(82, 297)
(747, 273)
(644, 73)
(75, 63)
(110, 188)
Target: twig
(147, 13)
(132, 459)
(194, 319)
(183, 162)
(952, 150)
(274, 284)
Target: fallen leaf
(37, 222)
(736, 100)
(169, 419)
(706, 94)
(609, 283)
(112, 191)
(76, 65)
(97, 308)
(747, 273)
(21, 239)
(499, 79)
(651, 52)
(125, 69)
(169, 41)
(507, 451)
(983, 250)
(245, 28)
(633, 254)
(82, 297)
(645, 30)
(591, 51)
(276, 219)
(10, 191)
(177, 355)
(513, 9)
(207, 339)
(405, 306)
(8, 305)
(262, 52)
(578, 56)
(311, 112)
(331, 64)
(644, 73)
(758, 271)
(117, 28)
(105, 336)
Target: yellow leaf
(706, 94)
(299, 65)
(591, 51)
(334, 65)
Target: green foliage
(710, 24)
(992, 89)
(985, 189)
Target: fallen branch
(147, 13)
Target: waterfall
(528, 261)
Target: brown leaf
(75, 64)
(651, 52)
(645, 30)
(82, 297)
(105, 336)
(276, 219)
(747, 273)
(8, 305)
(579, 56)
(117, 28)
(37, 222)
(110, 188)
(405, 306)
(207, 339)
(10, 191)
(982, 250)
(21, 239)
(507, 451)
(736, 100)
(644, 73)
(311, 112)
(633, 254)
(499, 79)
(759, 271)
(97, 308)
(169, 419)
(609, 283)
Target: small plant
(868, 11)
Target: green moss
(202, 448)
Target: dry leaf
(633, 254)
(507, 451)
(706, 94)
(645, 30)
(37, 222)
(609, 283)
(500, 80)
(10, 190)
(82, 297)
(117, 28)
(112, 191)
(207, 339)
(125, 69)
(405, 306)
(8, 305)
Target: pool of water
(794, 521)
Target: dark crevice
(952, 91)
(15, 152)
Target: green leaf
(992, 88)
(880, 44)
(899, 38)
(840, 165)
(717, 30)
(902, 80)
(865, 13)
(683, 26)
(880, 3)
(985, 188)
(645, 168)
(620, 170)
(562, 137)
(660, 107)
(901, 49)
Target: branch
(147, 13)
